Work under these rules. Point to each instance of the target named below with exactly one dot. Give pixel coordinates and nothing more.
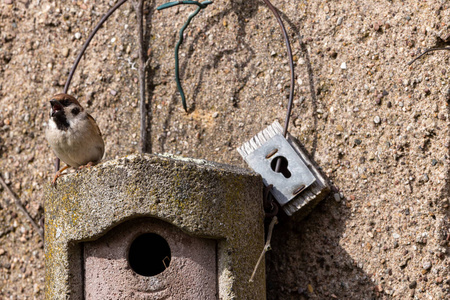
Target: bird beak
(56, 107)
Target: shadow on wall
(307, 260)
(243, 11)
(150, 72)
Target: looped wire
(270, 206)
(181, 38)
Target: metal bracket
(298, 184)
(294, 176)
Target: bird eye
(65, 102)
(75, 111)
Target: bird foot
(58, 174)
(88, 165)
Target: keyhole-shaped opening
(283, 166)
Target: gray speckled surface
(203, 200)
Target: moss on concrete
(202, 198)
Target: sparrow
(73, 134)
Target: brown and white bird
(73, 134)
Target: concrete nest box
(154, 227)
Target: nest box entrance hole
(149, 254)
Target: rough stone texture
(379, 129)
(191, 273)
(201, 198)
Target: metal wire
(174, 3)
(285, 35)
(291, 66)
(77, 60)
(181, 38)
(86, 44)
(200, 5)
(270, 206)
(427, 51)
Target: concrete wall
(351, 69)
(202, 199)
